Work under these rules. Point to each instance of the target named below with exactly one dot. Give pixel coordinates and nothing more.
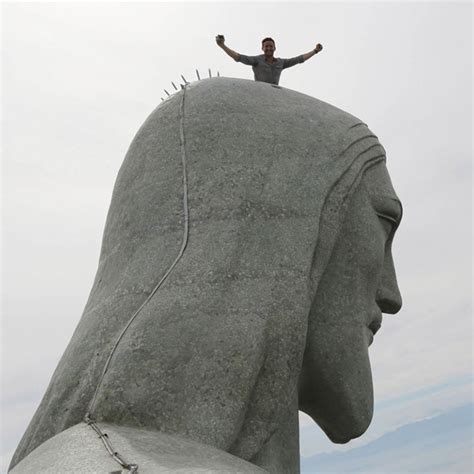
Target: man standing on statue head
(266, 67)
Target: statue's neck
(281, 452)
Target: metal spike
(198, 76)
(182, 87)
(162, 99)
(175, 88)
(218, 75)
(210, 75)
(185, 81)
(167, 93)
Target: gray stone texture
(79, 450)
(287, 268)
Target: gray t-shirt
(268, 72)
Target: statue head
(273, 301)
(358, 285)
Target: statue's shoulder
(79, 450)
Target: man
(266, 67)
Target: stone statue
(245, 264)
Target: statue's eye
(389, 213)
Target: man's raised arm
(318, 48)
(220, 40)
(302, 58)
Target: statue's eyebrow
(388, 207)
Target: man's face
(268, 48)
(358, 285)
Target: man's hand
(220, 40)
(316, 50)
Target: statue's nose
(389, 300)
(388, 297)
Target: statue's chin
(344, 436)
(342, 422)
(338, 394)
(345, 428)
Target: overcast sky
(79, 79)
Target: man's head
(268, 47)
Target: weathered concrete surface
(359, 283)
(79, 450)
(216, 354)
